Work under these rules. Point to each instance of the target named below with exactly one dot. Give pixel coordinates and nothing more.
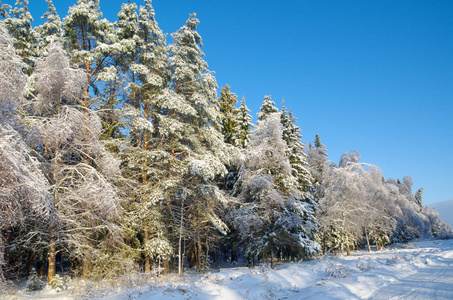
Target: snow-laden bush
(337, 270)
(364, 266)
(394, 260)
(34, 283)
(58, 283)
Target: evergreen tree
(52, 29)
(245, 125)
(419, 196)
(296, 155)
(267, 108)
(317, 160)
(89, 43)
(144, 63)
(197, 152)
(229, 121)
(23, 34)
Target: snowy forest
(120, 153)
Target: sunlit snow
(418, 270)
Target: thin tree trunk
(181, 226)
(348, 250)
(2, 255)
(272, 258)
(85, 268)
(367, 240)
(272, 252)
(52, 257)
(199, 252)
(147, 258)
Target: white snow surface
(445, 210)
(418, 270)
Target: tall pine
(245, 125)
(197, 152)
(295, 152)
(267, 108)
(229, 115)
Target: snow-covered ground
(419, 270)
(445, 210)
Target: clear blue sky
(373, 76)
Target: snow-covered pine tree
(89, 41)
(51, 31)
(267, 108)
(245, 125)
(144, 65)
(18, 23)
(296, 155)
(197, 152)
(317, 161)
(229, 112)
(419, 196)
(272, 217)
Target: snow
(445, 210)
(418, 270)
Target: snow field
(419, 270)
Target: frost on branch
(159, 248)
(57, 82)
(12, 79)
(206, 168)
(22, 184)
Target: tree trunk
(199, 255)
(85, 268)
(166, 266)
(147, 258)
(51, 257)
(181, 226)
(40, 269)
(272, 258)
(2, 255)
(367, 240)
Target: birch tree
(80, 170)
(24, 191)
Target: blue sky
(373, 76)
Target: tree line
(118, 154)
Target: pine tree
(89, 41)
(23, 34)
(267, 108)
(317, 160)
(229, 121)
(245, 125)
(419, 196)
(295, 153)
(197, 152)
(143, 63)
(52, 29)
